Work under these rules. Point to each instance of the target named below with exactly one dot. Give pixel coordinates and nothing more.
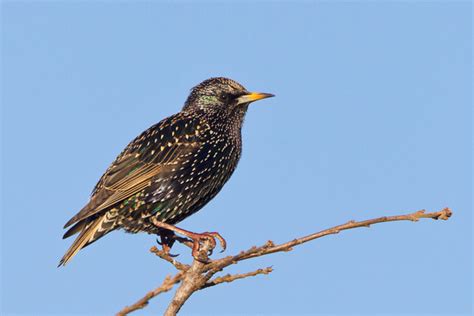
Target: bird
(170, 171)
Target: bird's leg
(195, 237)
(167, 239)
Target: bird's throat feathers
(224, 120)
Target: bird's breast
(215, 160)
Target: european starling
(170, 171)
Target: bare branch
(166, 256)
(270, 248)
(232, 277)
(198, 275)
(167, 285)
(193, 281)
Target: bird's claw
(211, 237)
(166, 247)
(222, 242)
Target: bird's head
(222, 95)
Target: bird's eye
(225, 97)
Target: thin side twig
(165, 256)
(232, 277)
(167, 285)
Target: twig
(165, 256)
(198, 275)
(167, 285)
(232, 277)
(414, 217)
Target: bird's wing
(155, 151)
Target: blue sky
(372, 117)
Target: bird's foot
(211, 237)
(196, 238)
(167, 239)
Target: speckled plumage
(172, 169)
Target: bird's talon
(222, 242)
(211, 237)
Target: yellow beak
(253, 96)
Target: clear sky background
(372, 117)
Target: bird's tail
(85, 237)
